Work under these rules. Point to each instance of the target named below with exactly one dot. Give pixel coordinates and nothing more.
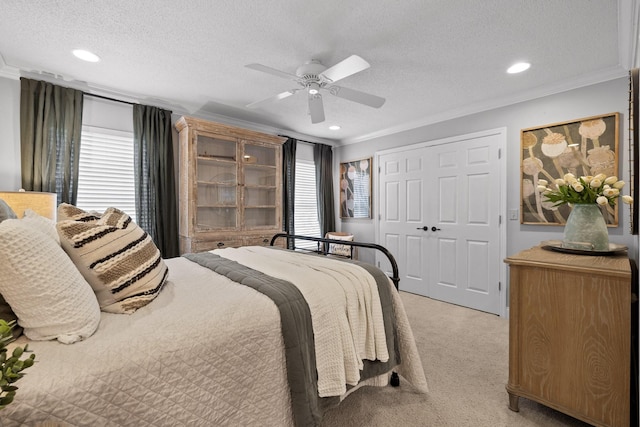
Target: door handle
(425, 228)
(434, 228)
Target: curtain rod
(302, 140)
(109, 99)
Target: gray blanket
(297, 332)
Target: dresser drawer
(215, 244)
(258, 240)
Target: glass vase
(586, 229)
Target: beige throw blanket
(347, 330)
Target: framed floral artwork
(583, 147)
(355, 189)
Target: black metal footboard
(323, 248)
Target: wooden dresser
(570, 334)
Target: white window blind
(106, 175)
(306, 204)
(361, 195)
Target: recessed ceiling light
(518, 67)
(334, 127)
(85, 55)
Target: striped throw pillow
(66, 211)
(118, 259)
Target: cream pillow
(336, 249)
(46, 226)
(50, 297)
(6, 313)
(119, 260)
(40, 223)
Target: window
(106, 176)
(306, 204)
(361, 183)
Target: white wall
(304, 151)
(9, 135)
(107, 114)
(589, 101)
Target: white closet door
(439, 212)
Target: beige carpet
(465, 357)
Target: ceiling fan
(313, 77)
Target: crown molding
(601, 76)
(611, 73)
(255, 126)
(8, 71)
(628, 33)
(91, 89)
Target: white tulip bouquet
(599, 189)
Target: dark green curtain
(323, 158)
(50, 131)
(289, 187)
(156, 206)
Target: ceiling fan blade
(273, 71)
(272, 98)
(345, 68)
(316, 109)
(357, 96)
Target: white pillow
(336, 249)
(42, 224)
(48, 294)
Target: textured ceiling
(430, 59)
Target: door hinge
(499, 153)
(499, 219)
(499, 286)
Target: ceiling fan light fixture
(314, 88)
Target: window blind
(306, 204)
(106, 177)
(361, 195)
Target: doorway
(440, 210)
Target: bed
(211, 346)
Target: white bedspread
(191, 357)
(348, 329)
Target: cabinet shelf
(260, 187)
(258, 166)
(217, 184)
(223, 159)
